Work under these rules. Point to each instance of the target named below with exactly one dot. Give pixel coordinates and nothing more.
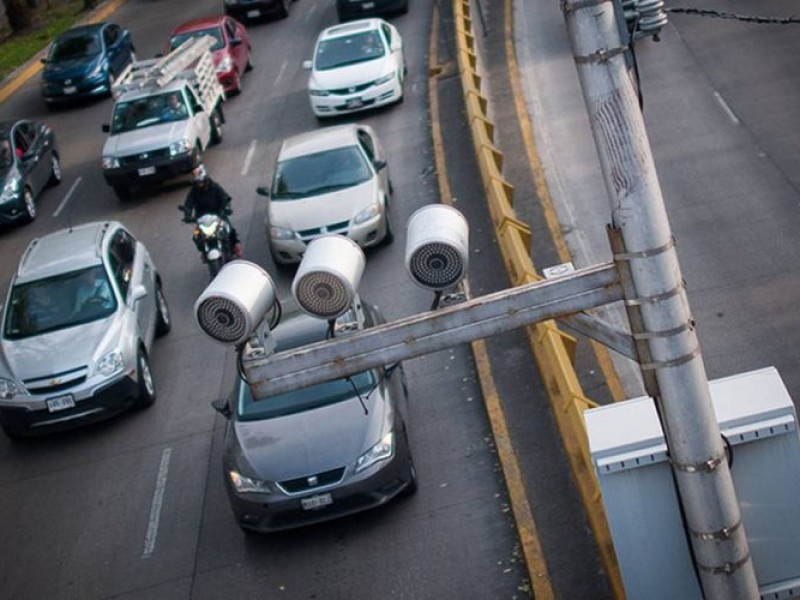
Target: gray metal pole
(705, 486)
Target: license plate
(144, 171)
(60, 403)
(70, 90)
(253, 13)
(315, 502)
(354, 103)
(368, 5)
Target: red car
(231, 50)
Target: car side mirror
(138, 292)
(262, 191)
(221, 406)
(307, 65)
(379, 164)
(106, 127)
(235, 42)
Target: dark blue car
(84, 61)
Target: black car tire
(413, 486)
(144, 376)
(28, 204)
(163, 319)
(216, 127)
(389, 237)
(249, 65)
(122, 192)
(55, 170)
(284, 11)
(12, 433)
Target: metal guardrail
(553, 349)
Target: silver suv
(81, 314)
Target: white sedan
(331, 180)
(357, 66)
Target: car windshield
(319, 173)
(304, 399)
(75, 46)
(215, 32)
(348, 50)
(59, 302)
(144, 112)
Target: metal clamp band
(649, 335)
(726, 568)
(601, 56)
(657, 297)
(569, 7)
(704, 467)
(675, 362)
(646, 253)
(721, 534)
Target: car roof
(63, 251)
(349, 28)
(319, 140)
(93, 28)
(199, 23)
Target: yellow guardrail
(553, 349)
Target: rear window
(214, 32)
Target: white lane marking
(248, 158)
(280, 73)
(158, 501)
(731, 115)
(67, 197)
(309, 12)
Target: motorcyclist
(207, 196)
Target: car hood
(318, 211)
(59, 351)
(145, 139)
(352, 75)
(313, 441)
(74, 68)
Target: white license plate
(253, 13)
(70, 90)
(315, 502)
(354, 103)
(146, 171)
(368, 5)
(60, 403)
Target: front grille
(144, 158)
(302, 484)
(341, 227)
(352, 89)
(57, 382)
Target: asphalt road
(135, 507)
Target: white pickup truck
(167, 111)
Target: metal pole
(697, 454)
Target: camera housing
(437, 247)
(235, 303)
(327, 279)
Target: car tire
(237, 86)
(249, 66)
(197, 155)
(55, 170)
(284, 11)
(28, 204)
(12, 433)
(389, 237)
(412, 486)
(216, 127)
(122, 192)
(163, 319)
(144, 377)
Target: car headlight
(280, 233)
(372, 211)
(10, 190)
(383, 450)
(224, 64)
(110, 363)
(179, 147)
(316, 92)
(110, 162)
(384, 79)
(247, 485)
(9, 388)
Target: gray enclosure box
(757, 416)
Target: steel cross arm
(432, 331)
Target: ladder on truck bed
(157, 72)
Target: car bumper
(253, 10)
(12, 211)
(58, 92)
(372, 488)
(104, 402)
(380, 95)
(368, 8)
(227, 79)
(150, 172)
(368, 234)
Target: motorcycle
(212, 234)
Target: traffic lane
(732, 207)
(444, 542)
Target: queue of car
(86, 303)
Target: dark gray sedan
(29, 162)
(320, 452)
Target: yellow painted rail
(553, 349)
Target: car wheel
(412, 486)
(389, 237)
(55, 170)
(122, 192)
(11, 432)
(216, 127)
(249, 66)
(284, 12)
(237, 83)
(163, 320)
(197, 156)
(147, 386)
(29, 204)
